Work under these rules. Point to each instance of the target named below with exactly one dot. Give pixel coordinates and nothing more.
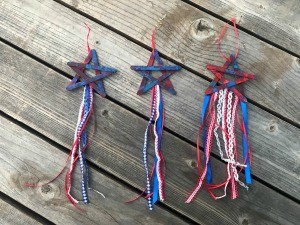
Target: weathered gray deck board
(277, 72)
(274, 20)
(10, 215)
(36, 96)
(26, 158)
(275, 156)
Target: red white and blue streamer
(86, 109)
(220, 116)
(155, 180)
(80, 143)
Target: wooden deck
(38, 116)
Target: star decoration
(90, 63)
(163, 81)
(218, 71)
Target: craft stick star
(163, 81)
(90, 63)
(219, 71)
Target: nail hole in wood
(104, 112)
(46, 188)
(245, 222)
(273, 126)
(193, 164)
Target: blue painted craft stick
(85, 82)
(155, 193)
(245, 143)
(95, 61)
(147, 75)
(156, 81)
(102, 68)
(153, 81)
(94, 56)
(155, 68)
(157, 58)
(159, 130)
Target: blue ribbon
(159, 129)
(245, 143)
(155, 192)
(203, 113)
(83, 139)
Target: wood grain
(11, 215)
(36, 96)
(180, 38)
(275, 142)
(26, 158)
(275, 20)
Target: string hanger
(87, 37)
(153, 40)
(222, 33)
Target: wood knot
(97, 42)
(201, 29)
(48, 191)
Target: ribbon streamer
(155, 182)
(80, 143)
(220, 113)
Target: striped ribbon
(155, 182)
(80, 145)
(222, 109)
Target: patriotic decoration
(155, 179)
(220, 115)
(80, 144)
(86, 109)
